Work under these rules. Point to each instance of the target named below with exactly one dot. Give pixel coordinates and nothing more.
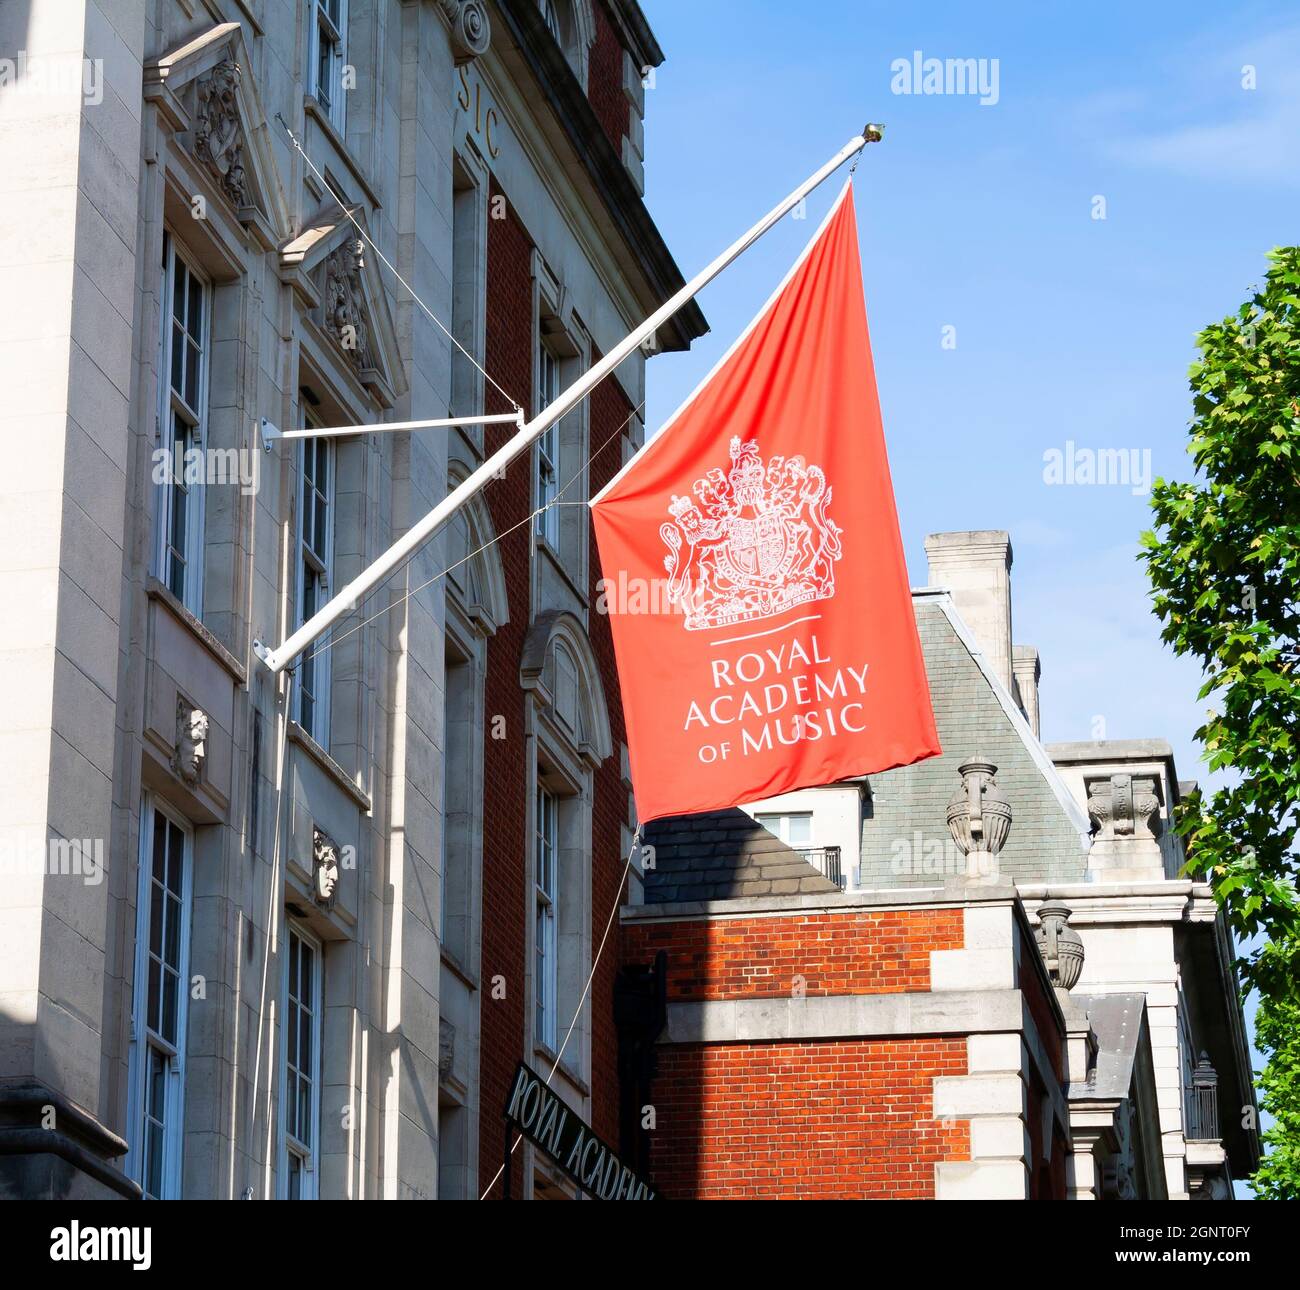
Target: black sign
(551, 1126)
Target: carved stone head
(325, 869)
(191, 741)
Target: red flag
(753, 567)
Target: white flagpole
(271, 432)
(415, 537)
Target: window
(794, 830)
(545, 862)
(300, 1093)
(551, 15)
(468, 294)
(160, 1004)
(315, 570)
(182, 417)
(566, 691)
(459, 806)
(546, 468)
(572, 26)
(329, 54)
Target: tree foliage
(1223, 559)
(1277, 1032)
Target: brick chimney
(976, 567)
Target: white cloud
(1204, 123)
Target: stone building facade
(267, 937)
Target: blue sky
(980, 217)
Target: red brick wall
(605, 79)
(847, 1119)
(842, 1118)
(509, 357)
(859, 953)
(608, 413)
(506, 896)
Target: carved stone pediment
(334, 273)
(207, 97)
(345, 315)
(218, 137)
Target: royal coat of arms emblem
(755, 541)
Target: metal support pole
(270, 432)
(506, 1195)
(415, 537)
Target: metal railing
(1202, 1113)
(826, 860)
(1201, 1101)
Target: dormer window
(551, 12)
(573, 24)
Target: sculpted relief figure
(191, 741)
(217, 139)
(325, 869)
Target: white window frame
(173, 406)
(781, 821)
(324, 28)
(546, 865)
(546, 455)
(314, 571)
(553, 20)
(307, 1153)
(145, 1041)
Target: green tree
(1277, 1032)
(1223, 558)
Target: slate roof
(905, 838)
(721, 855)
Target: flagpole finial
(873, 132)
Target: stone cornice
(635, 32)
(598, 159)
(159, 592)
(1098, 903)
(859, 1016)
(331, 768)
(797, 906)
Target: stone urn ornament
(1059, 944)
(979, 818)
